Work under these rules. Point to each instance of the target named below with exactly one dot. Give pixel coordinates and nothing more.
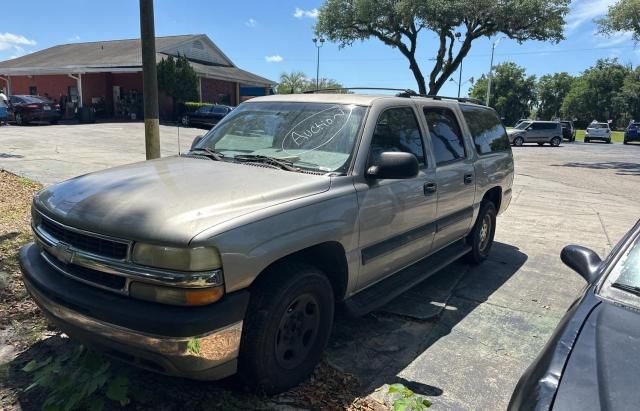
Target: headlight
(173, 258)
(175, 295)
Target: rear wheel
(518, 141)
(287, 327)
(555, 142)
(481, 237)
(185, 120)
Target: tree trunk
(413, 65)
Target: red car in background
(24, 109)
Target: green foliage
(79, 379)
(624, 15)
(408, 400)
(599, 93)
(512, 91)
(297, 82)
(551, 91)
(177, 79)
(398, 24)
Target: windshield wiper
(212, 154)
(626, 287)
(277, 162)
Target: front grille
(97, 277)
(95, 245)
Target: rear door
(455, 174)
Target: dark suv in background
(568, 131)
(24, 109)
(632, 132)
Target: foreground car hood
(171, 200)
(602, 371)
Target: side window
(446, 137)
(489, 135)
(397, 130)
(219, 110)
(203, 110)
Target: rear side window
(488, 132)
(397, 130)
(446, 137)
(219, 110)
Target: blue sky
(272, 36)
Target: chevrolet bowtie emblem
(63, 252)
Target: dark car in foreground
(592, 360)
(207, 116)
(24, 109)
(632, 132)
(568, 131)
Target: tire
(54, 122)
(185, 121)
(555, 142)
(287, 327)
(20, 120)
(625, 142)
(518, 141)
(586, 140)
(481, 237)
(609, 141)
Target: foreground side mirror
(582, 260)
(196, 141)
(394, 165)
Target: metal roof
(119, 56)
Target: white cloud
(251, 23)
(300, 13)
(276, 58)
(583, 11)
(614, 39)
(15, 42)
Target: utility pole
(493, 49)
(318, 43)
(150, 80)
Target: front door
(395, 216)
(455, 176)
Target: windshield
(599, 125)
(523, 125)
(314, 136)
(34, 99)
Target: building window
(33, 90)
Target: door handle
(468, 178)
(429, 188)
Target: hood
(172, 199)
(602, 370)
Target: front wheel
(185, 120)
(555, 142)
(287, 327)
(481, 237)
(20, 120)
(518, 141)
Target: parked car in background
(568, 131)
(521, 121)
(207, 116)
(24, 109)
(598, 132)
(592, 360)
(243, 246)
(540, 132)
(632, 132)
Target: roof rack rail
(401, 93)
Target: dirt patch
(24, 336)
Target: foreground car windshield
(313, 136)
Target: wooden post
(237, 94)
(150, 80)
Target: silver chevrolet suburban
(231, 257)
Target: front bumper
(192, 342)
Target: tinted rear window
(489, 135)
